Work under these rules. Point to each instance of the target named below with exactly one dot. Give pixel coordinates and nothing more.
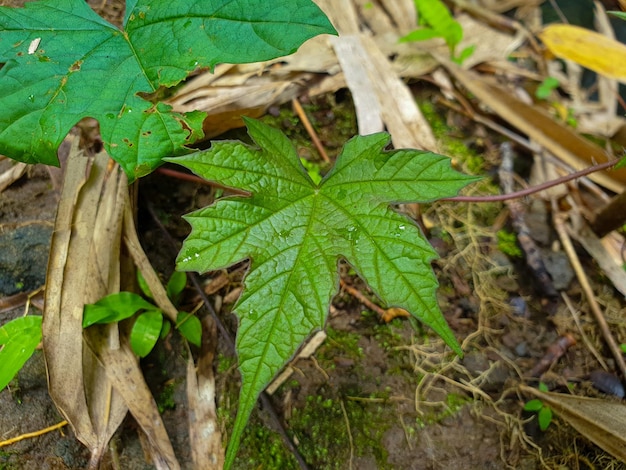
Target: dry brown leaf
(556, 137)
(601, 421)
(67, 270)
(402, 12)
(123, 370)
(85, 266)
(341, 14)
(611, 265)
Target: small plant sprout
(543, 411)
(545, 89)
(149, 324)
(436, 22)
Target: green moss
(340, 343)
(225, 363)
(454, 148)
(333, 120)
(321, 429)
(507, 244)
(262, 448)
(165, 400)
(387, 334)
(454, 403)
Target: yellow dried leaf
(587, 48)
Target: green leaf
(620, 164)
(165, 329)
(175, 285)
(143, 285)
(464, 54)
(114, 307)
(618, 14)
(422, 34)
(295, 231)
(435, 15)
(190, 327)
(19, 338)
(544, 417)
(145, 332)
(546, 88)
(63, 62)
(533, 405)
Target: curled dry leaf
(94, 383)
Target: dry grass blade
(602, 422)
(564, 235)
(353, 58)
(12, 175)
(595, 247)
(404, 120)
(143, 264)
(206, 440)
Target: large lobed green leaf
(63, 62)
(295, 231)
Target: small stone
(519, 307)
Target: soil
(375, 395)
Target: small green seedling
(544, 412)
(545, 89)
(623, 348)
(149, 325)
(436, 22)
(18, 339)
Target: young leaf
(114, 307)
(533, 405)
(190, 327)
(618, 14)
(544, 417)
(176, 285)
(294, 231)
(18, 338)
(440, 22)
(62, 62)
(145, 332)
(143, 285)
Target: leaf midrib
(291, 272)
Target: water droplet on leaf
(353, 233)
